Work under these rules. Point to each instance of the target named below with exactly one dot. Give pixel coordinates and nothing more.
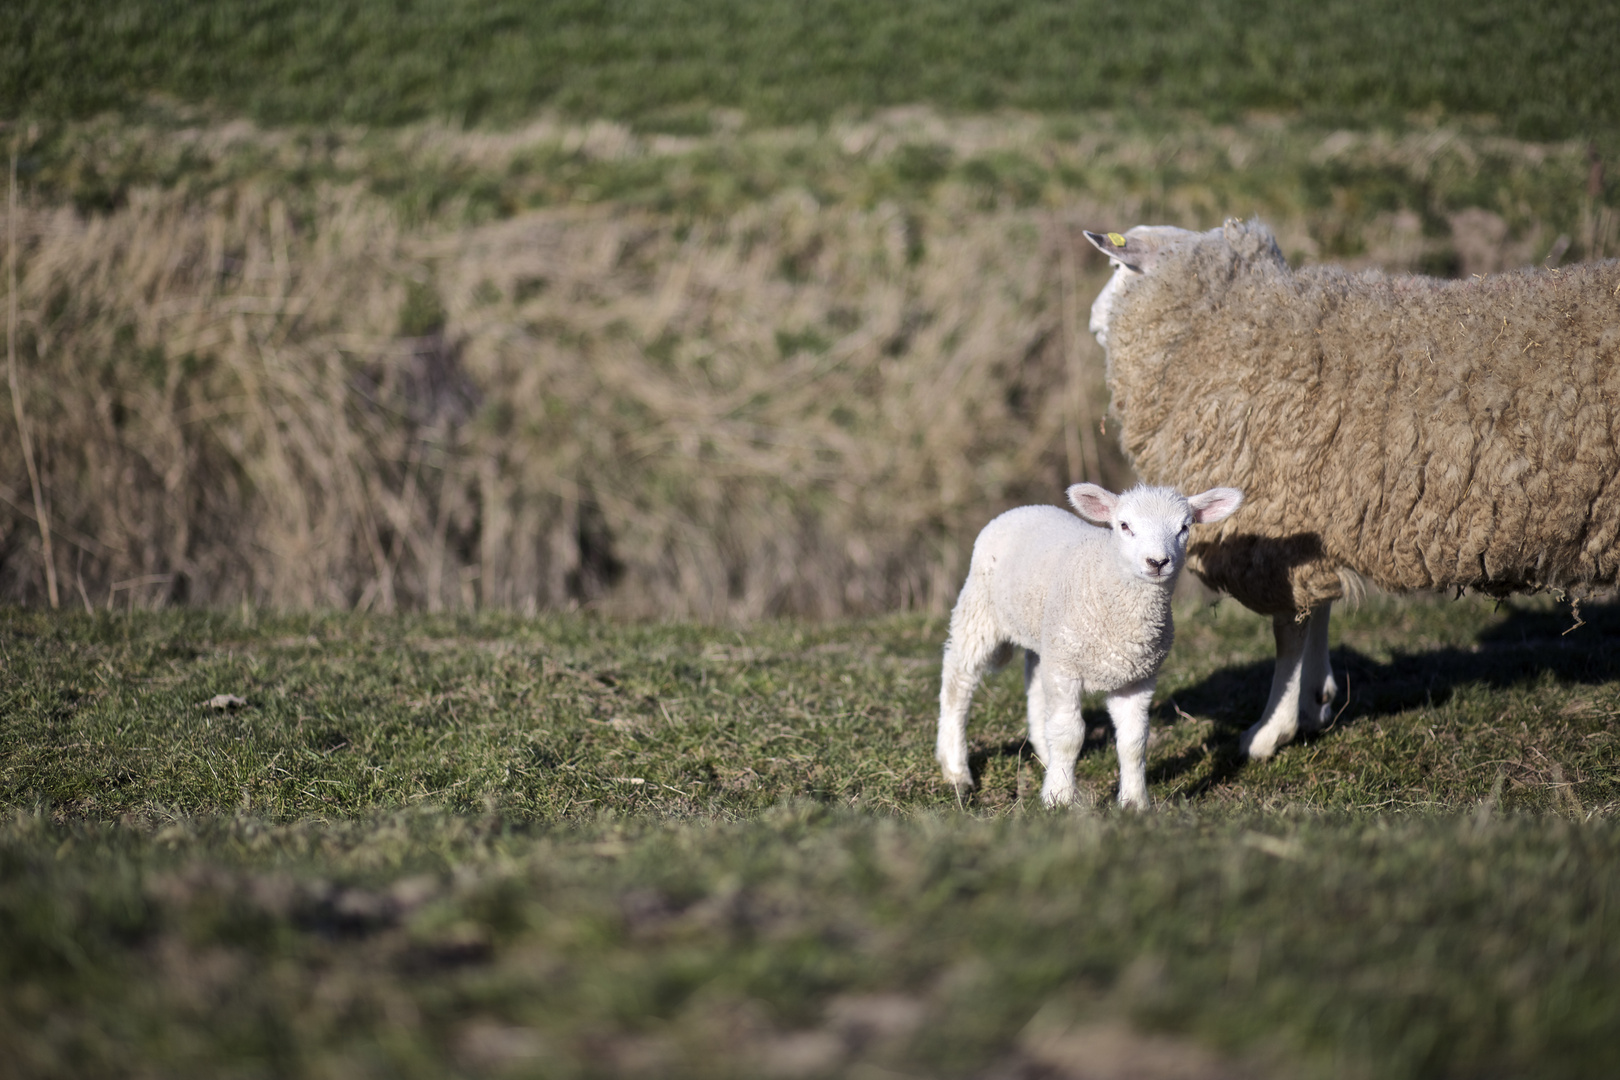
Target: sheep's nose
(1156, 565)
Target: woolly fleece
(1421, 433)
(1091, 605)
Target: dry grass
(781, 372)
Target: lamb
(1090, 604)
(1411, 432)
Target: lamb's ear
(1137, 252)
(1216, 504)
(1095, 504)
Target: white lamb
(1090, 605)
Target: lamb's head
(1140, 252)
(1151, 524)
(1133, 255)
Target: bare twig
(1575, 610)
(1343, 707)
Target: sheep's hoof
(1316, 715)
(961, 783)
(1260, 742)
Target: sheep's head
(1140, 252)
(1134, 255)
(1151, 524)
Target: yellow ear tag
(1116, 239)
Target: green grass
(564, 717)
(1333, 194)
(568, 847)
(1543, 70)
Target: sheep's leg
(974, 646)
(1317, 687)
(1280, 722)
(1128, 707)
(1064, 732)
(1034, 692)
(1302, 687)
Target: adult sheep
(1419, 433)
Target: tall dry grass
(190, 372)
(238, 393)
(790, 410)
(795, 409)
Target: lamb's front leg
(1064, 733)
(1128, 708)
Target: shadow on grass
(1098, 733)
(1519, 650)
(1522, 649)
(1020, 748)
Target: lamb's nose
(1157, 564)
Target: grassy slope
(1545, 70)
(421, 846)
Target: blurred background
(724, 309)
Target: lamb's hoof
(961, 783)
(1058, 797)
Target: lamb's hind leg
(1302, 680)
(974, 647)
(1036, 701)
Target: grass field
(380, 363)
(569, 847)
(1542, 71)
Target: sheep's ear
(1253, 241)
(1137, 252)
(1216, 504)
(1095, 504)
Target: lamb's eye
(1125, 527)
(1184, 530)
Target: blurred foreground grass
(569, 847)
(812, 941)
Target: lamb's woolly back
(1422, 433)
